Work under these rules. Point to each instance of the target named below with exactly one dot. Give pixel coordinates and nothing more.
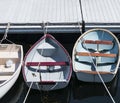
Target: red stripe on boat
(46, 63)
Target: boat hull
(47, 65)
(86, 77)
(7, 84)
(96, 56)
(4, 88)
(48, 87)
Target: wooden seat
(101, 57)
(46, 63)
(98, 45)
(106, 42)
(3, 60)
(95, 54)
(8, 70)
(95, 72)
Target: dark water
(75, 92)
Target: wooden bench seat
(106, 42)
(95, 54)
(7, 71)
(46, 63)
(3, 60)
(98, 45)
(95, 72)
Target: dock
(59, 16)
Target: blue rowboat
(96, 56)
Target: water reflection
(93, 92)
(14, 94)
(76, 92)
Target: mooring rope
(5, 34)
(41, 86)
(100, 75)
(89, 53)
(45, 31)
(28, 90)
(28, 93)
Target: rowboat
(11, 56)
(47, 65)
(96, 56)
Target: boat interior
(96, 53)
(9, 60)
(50, 61)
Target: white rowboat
(47, 65)
(11, 56)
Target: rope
(41, 86)
(6, 31)
(28, 92)
(5, 35)
(100, 76)
(45, 28)
(90, 54)
(45, 31)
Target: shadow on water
(58, 96)
(15, 92)
(83, 92)
(75, 92)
